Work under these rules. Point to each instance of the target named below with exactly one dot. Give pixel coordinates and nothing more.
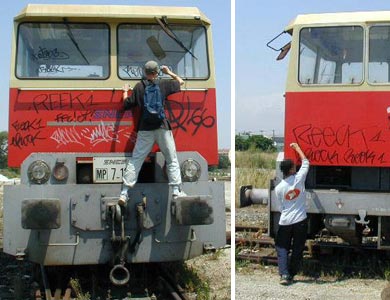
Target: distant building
(224, 152)
(245, 135)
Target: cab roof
(340, 18)
(40, 11)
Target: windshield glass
(331, 55)
(138, 43)
(62, 50)
(379, 54)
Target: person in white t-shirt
(292, 232)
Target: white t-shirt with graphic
(290, 193)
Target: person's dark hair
(285, 166)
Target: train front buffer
(65, 211)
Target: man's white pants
(143, 145)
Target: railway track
(321, 256)
(18, 280)
(254, 245)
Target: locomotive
(337, 109)
(71, 139)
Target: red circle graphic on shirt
(291, 195)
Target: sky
(218, 11)
(260, 79)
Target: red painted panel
(92, 121)
(339, 128)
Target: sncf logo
(291, 195)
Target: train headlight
(60, 171)
(190, 170)
(38, 172)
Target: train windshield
(63, 50)
(379, 55)
(331, 55)
(184, 52)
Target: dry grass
(255, 159)
(254, 168)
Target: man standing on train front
(292, 232)
(153, 127)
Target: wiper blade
(71, 36)
(164, 25)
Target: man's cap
(151, 67)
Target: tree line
(255, 142)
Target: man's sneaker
(177, 194)
(285, 280)
(123, 198)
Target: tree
(3, 150)
(241, 143)
(257, 142)
(224, 162)
(262, 143)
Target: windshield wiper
(164, 25)
(71, 36)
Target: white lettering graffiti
(103, 133)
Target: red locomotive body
(337, 108)
(93, 121)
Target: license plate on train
(108, 169)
